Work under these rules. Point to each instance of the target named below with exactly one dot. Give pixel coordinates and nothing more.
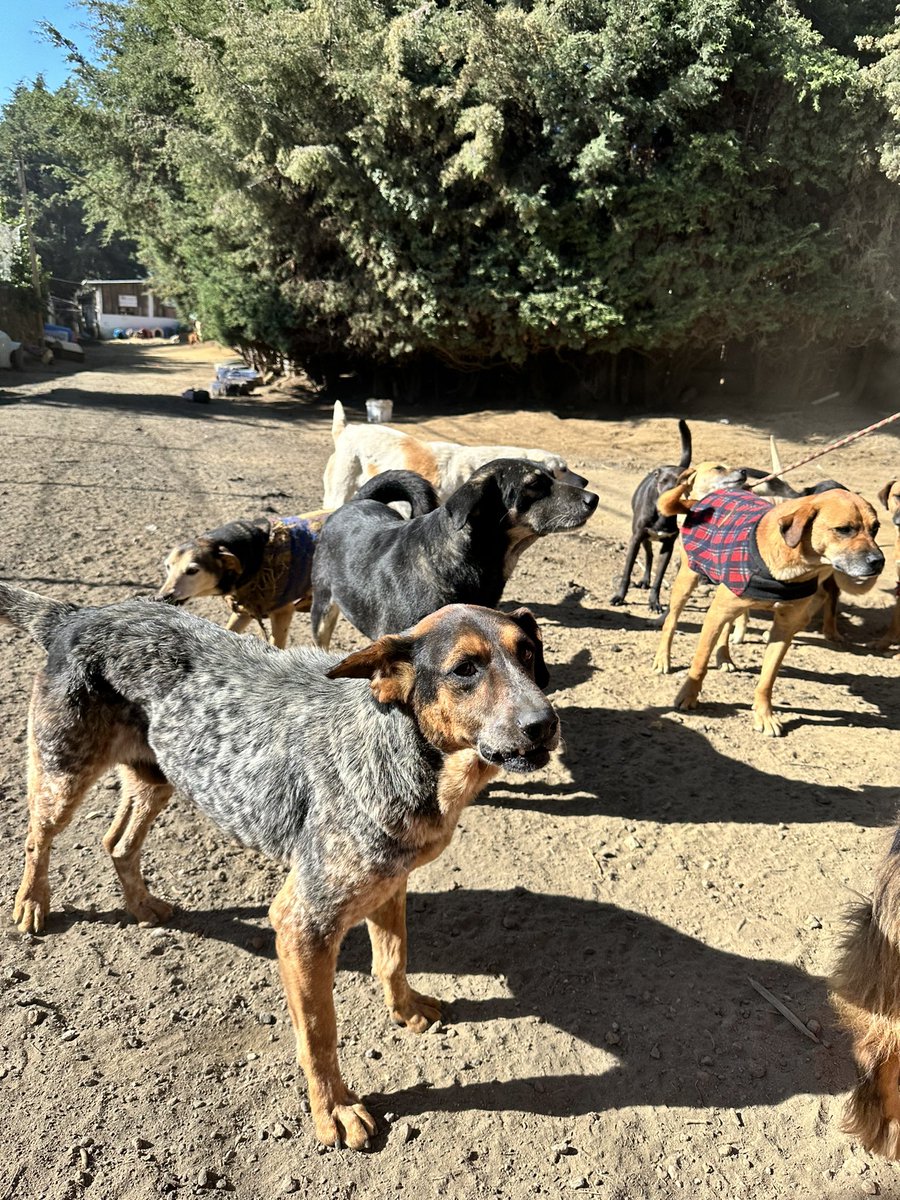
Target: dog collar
(764, 586)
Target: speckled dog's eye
(526, 653)
(466, 669)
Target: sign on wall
(128, 302)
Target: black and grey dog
(385, 573)
(355, 771)
(648, 525)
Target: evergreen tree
(487, 182)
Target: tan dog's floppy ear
(524, 618)
(387, 664)
(229, 560)
(885, 492)
(794, 523)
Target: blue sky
(24, 53)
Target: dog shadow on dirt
(677, 1021)
(649, 766)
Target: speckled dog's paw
(348, 1124)
(417, 1012)
(31, 908)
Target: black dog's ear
(885, 492)
(460, 505)
(387, 664)
(524, 618)
(470, 497)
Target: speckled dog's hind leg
(52, 801)
(145, 793)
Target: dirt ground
(592, 928)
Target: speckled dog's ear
(525, 619)
(387, 664)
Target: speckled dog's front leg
(387, 931)
(307, 962)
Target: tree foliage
(486, 182)
(33, 131)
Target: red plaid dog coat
(719, 539)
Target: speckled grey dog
(353, 770)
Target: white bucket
(378, 411)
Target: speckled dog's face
(472, 678)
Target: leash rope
(827, 450)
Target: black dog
(648, 525)
(385, 573)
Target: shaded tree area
(584, 193)
(70, 246)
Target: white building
(111, 304)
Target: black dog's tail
(686, 448)
(413, 489)
(37, 615)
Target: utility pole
(32, 253)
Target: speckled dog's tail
(35, 614)
(866, 994)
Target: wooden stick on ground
(783, 1009)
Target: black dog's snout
(538, 727)
(590, 500)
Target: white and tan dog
(361, 451)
